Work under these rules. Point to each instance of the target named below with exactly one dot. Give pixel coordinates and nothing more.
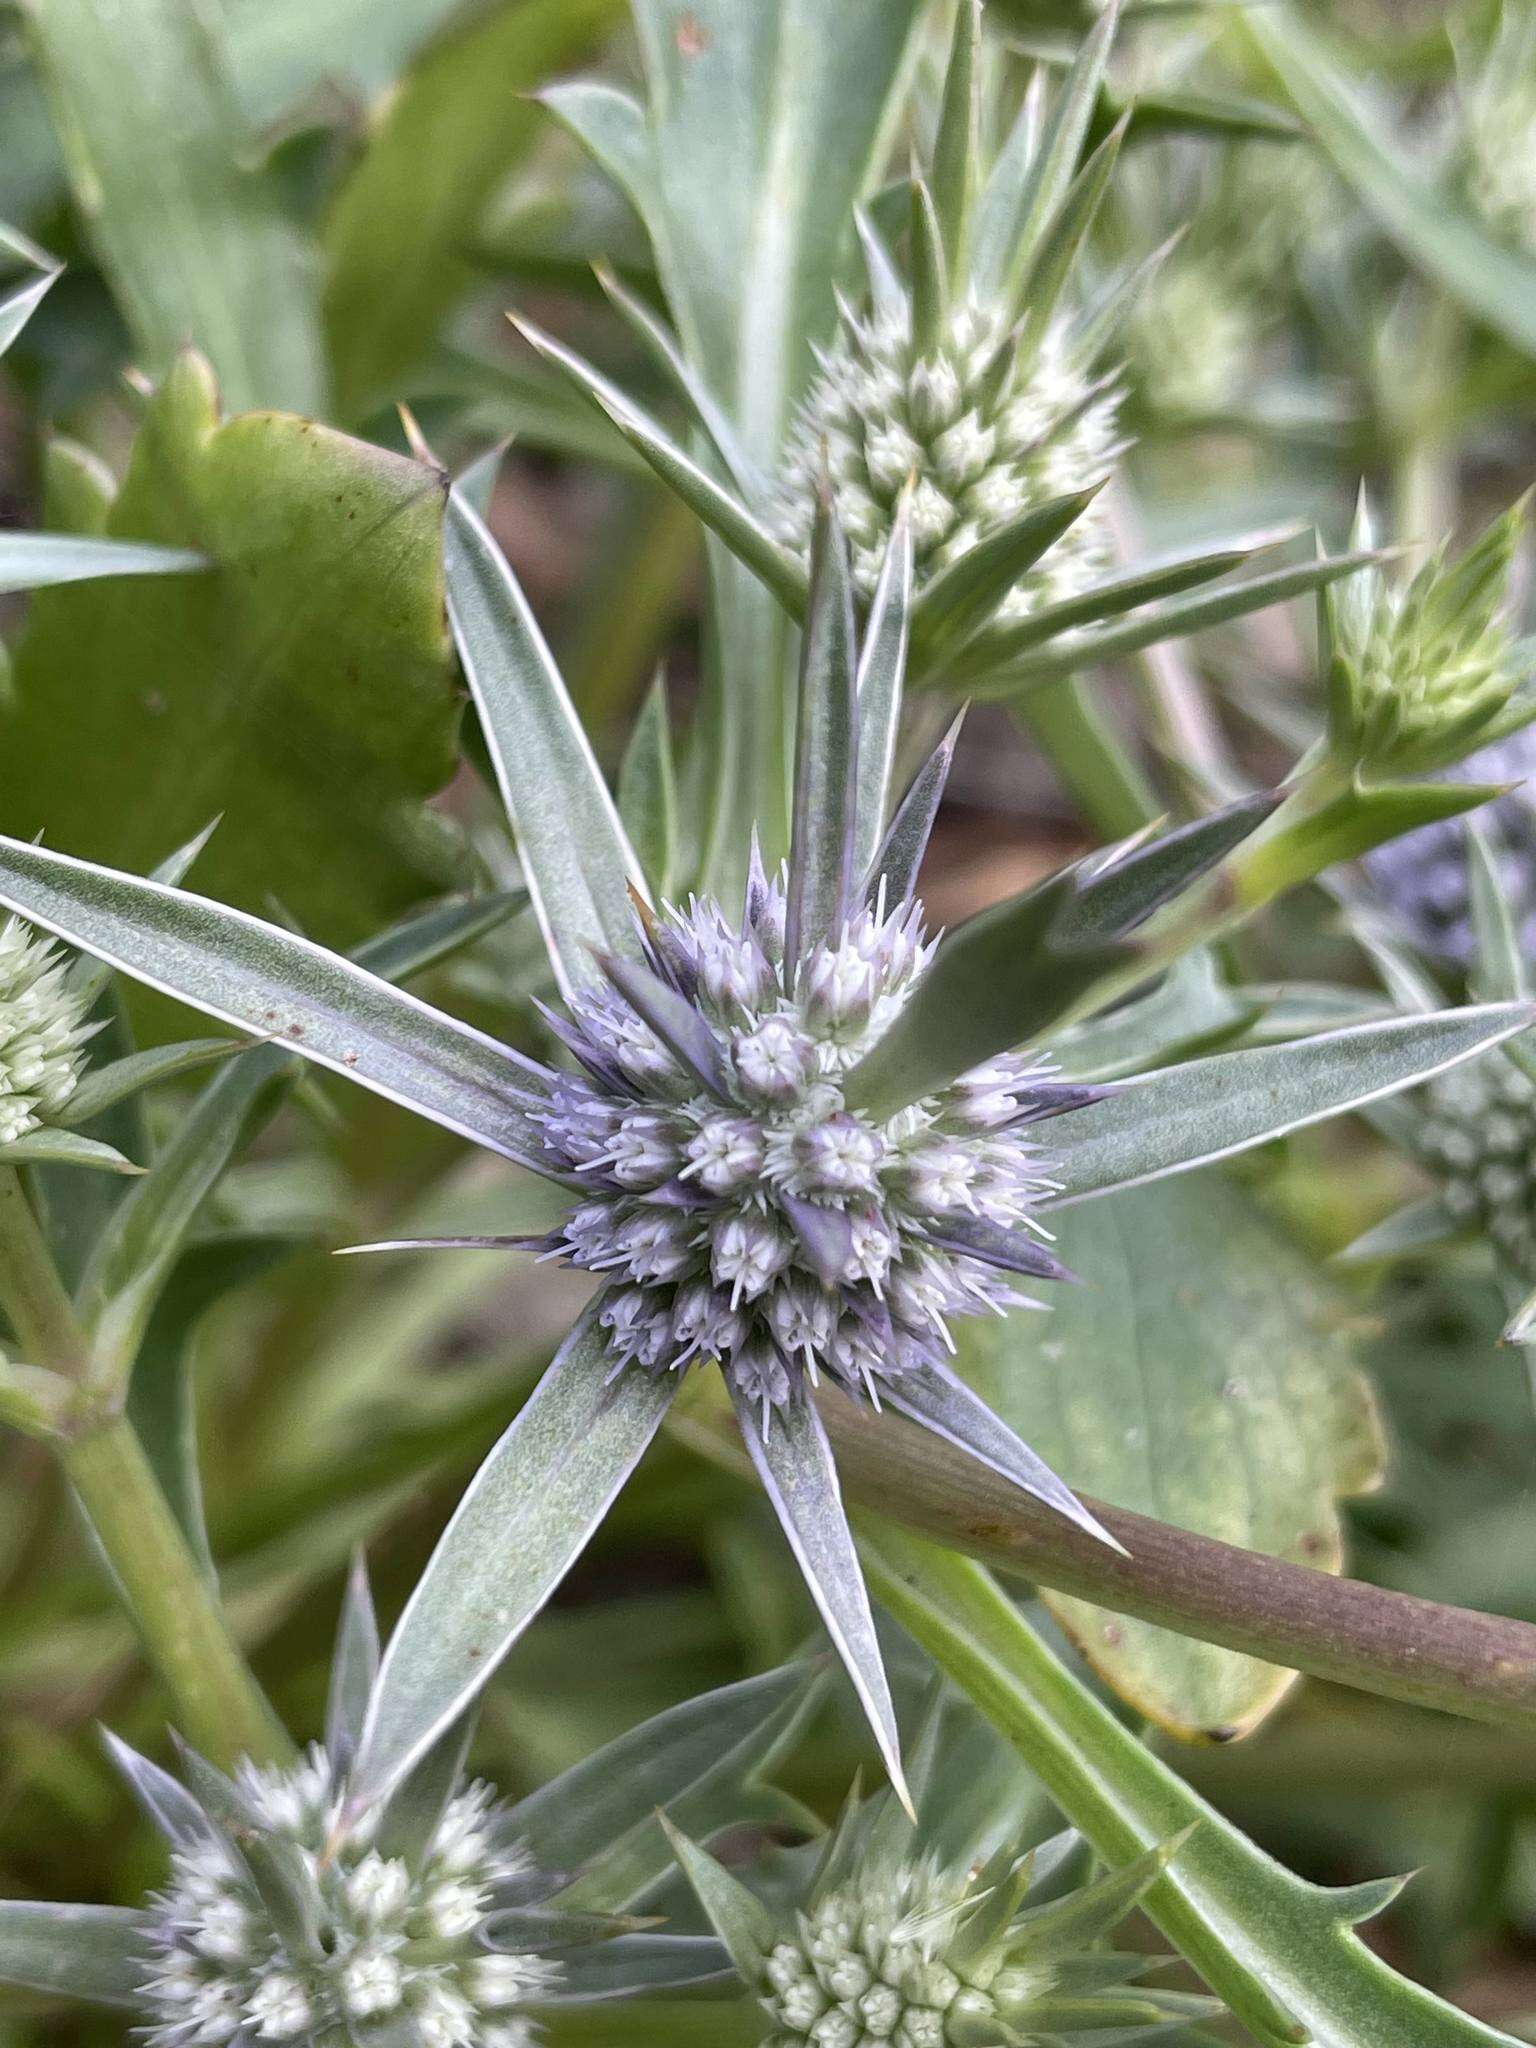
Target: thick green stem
(219, 1707)
(183, 1629)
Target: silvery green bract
(889, 1936)
(1420, 673)
(442, 1916)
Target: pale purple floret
(758, 1220)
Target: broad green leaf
(192, 233)
(826, 749)
(1205, 1377)
(1172, 620)
(279, 986)
(690, 1761)
(524, 1520)
(648, 794)
(300, 687)
(37, 561)
(455, 128)
(577, 863)
(1493, 281)
(764, 116)
(94, 1953)
(789, 1447)
(1210, 1109)
(1282, 1953)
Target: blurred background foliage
(333, 204)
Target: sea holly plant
(970, 380)
(797, 1139)
(442, 1916)
(887, 1931)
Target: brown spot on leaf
(692, 37)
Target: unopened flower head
(1498, 112)
(42, 1032)
(393, 1938)
(763, 1222)
(894, 1944)
(1477, 1136)
(1424, 672)
(984, 430)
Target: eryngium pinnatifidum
(984, 429)
(398, 1939)
(42, 1031)
(769, 1225)
(1477, 1136)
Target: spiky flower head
(1421, 878)
(742, 1209)
(970, 387)
(1422, 673)
(890, 1943)
(335, 1930)
(1477, 1138)
(42, 1031)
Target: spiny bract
(764, 1223)
(984, 429)
(392, 1936)
(42, 1030)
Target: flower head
(741, 1209)
(1498, 108)
(42, 1032)
(890, 1942)
(1477, 1137)
(391, 1933)
(1422, 673)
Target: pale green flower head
(891, 1944)
(968, 383)
(42, 1032)
(1422, 673)
(1498, 117)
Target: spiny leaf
(826, 748)
(881, 673)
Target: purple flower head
(760, 1220)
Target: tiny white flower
(371, 1983)
(280, 2007)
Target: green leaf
(300, 687)
(1171, 621)
(101, 1088)
(966, 594)
(764, 118)
(1237, 1411)
(1419, 1226)
(354, 1667)
(95, 1953)
(789, 1448)
(648, 795)
(691, 1761)
(1349, 824)
(1280, 1951)
(577, 863)
(826, 748)
(1210, 1109)
(192, 233)
(413, 1810)
(524, 1520)
(1052, 264)
(1492, 281)
(1498, 974)
(957, 142)
(270, 982)
(38, 561)
(21, 301)
(449, 136)
(743, 532)
(632, 1963)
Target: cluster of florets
(1193, 339)
(1422, 877)
(1478, 1138)
(769, 1225)
(866, 1967)
(42, 1031)
(394, 1938)
(1498, 107)
(983, 430)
